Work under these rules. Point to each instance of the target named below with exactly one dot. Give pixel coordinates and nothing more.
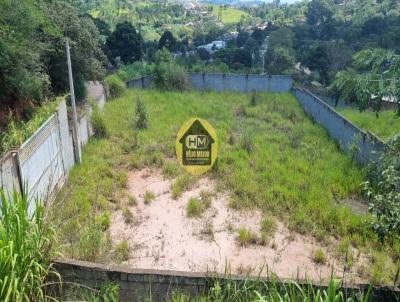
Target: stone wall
(142, 284)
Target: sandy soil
(163, 237)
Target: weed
(141, 114)
(121, 252)
(128, 216)
(208, 230)
(205, 197)
(319, 256)
(104, 220)
(24, 249)
(181, 184)
(170, 169)
(253, 100)
(246, 237)
(194, 208)
(148, 197)
(98, 123)
(132, 201)
(247, 142)
(268, 227)
(91, 241)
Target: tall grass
(385, 125)
(272, 291)
(24, 250)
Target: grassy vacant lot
(229, 14)
(271, 156)
(384, 125)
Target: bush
(168, 75)
(98, 123)
(25, 242)
(383, 191)
(116, 86)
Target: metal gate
(41, 162)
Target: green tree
(168, 41)
(87, 57)
(124, 42)
(22, 73)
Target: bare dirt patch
(163, 237)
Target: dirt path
(163, 237)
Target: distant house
(213, 46)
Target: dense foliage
(32, 52)
(383, 191)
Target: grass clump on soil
(128, 216)
(289, 168)
(182, 183)
(246, 237)
(148, 197)
(121, 251)
(319, 256)
(268, 227)
(194, 208)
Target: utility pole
(74, 117)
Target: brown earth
(163, 237)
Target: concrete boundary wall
(365, 147)
(227, 82)
(43, 161)
(141, 284)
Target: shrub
(132, 200)
(148, 197)
(167, 74)
(383, 191)
(116, 86)
(25, 242)
(121, 252)
(98, 123)
(141, 115)
(319, 256)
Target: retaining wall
(228, 82)
(141, 284)
(365, 147)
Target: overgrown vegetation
(25, 249)
(116, 85)
(19, 131)
(384, 124)
(274, 290)
(292, 171)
